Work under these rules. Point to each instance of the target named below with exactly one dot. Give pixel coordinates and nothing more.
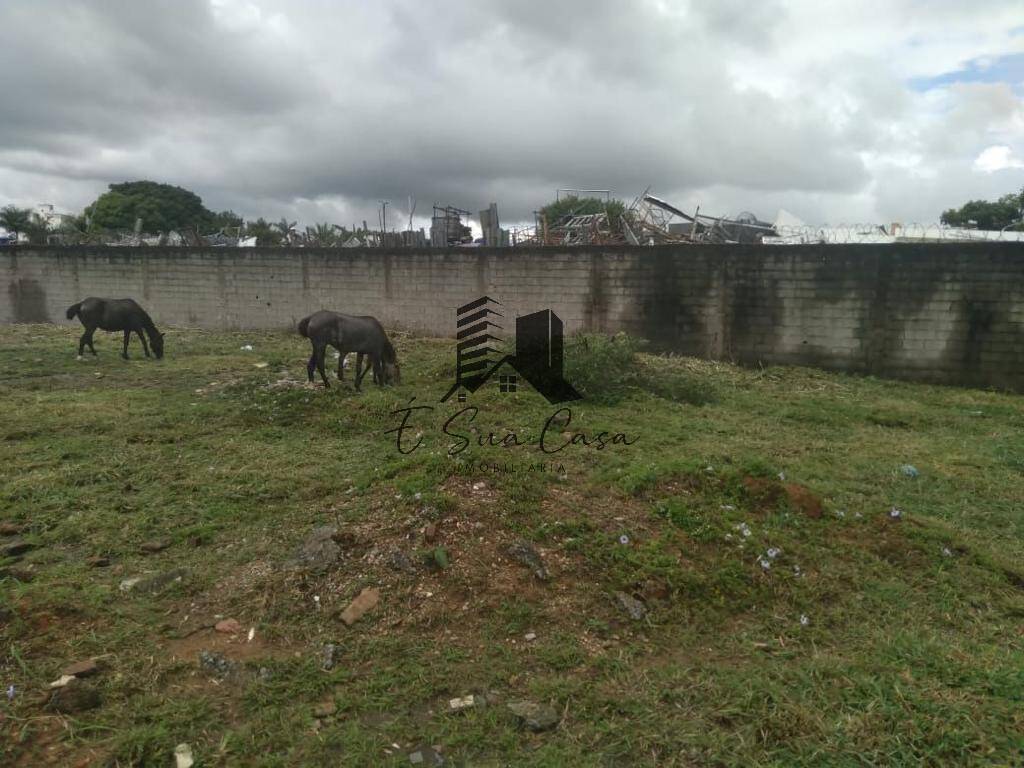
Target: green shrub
(604, 369)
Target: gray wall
(939, 312)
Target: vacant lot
(731, 589)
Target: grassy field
(790, 617)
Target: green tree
(326, 235)
(985, 214)
(559, 210)
(162, 207)
(264, 232)
(226, 220)
(15, 220)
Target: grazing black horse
(116, 315)
(347, 333)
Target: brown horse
(116, 315)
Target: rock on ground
(319, 552)
(631, 605)
(536, 717)
(228, 626)
(366, 600)
(153, 584)
(82, 668)
(524, 553)
(74, 697)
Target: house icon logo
(538, 357)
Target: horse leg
(360, 371)
(320, 352)
(311, 365)
(371, 365)
(341, 364)
(359, 366)
(88, 339)
(378, 371)
(142, 338)
(127, 337)
(82, 342)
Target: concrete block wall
(950, 313)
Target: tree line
(1005, 213)
(151, 207)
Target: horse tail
(304, 327)
(73, 310)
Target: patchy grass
(772, 636)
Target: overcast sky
(841, 112)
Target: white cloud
(997, 158)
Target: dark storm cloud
(318, 109)
(113, 74)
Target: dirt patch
(612, 513)
(234, 647)
(765, 495)
(804, 501)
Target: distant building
(53, 219)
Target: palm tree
(37, 229)
(286, 228)
(16, 220)
(322, 235)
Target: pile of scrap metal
(653, 221)
(648, 221)
(573, 229)
(447, 229)
(583, 229)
